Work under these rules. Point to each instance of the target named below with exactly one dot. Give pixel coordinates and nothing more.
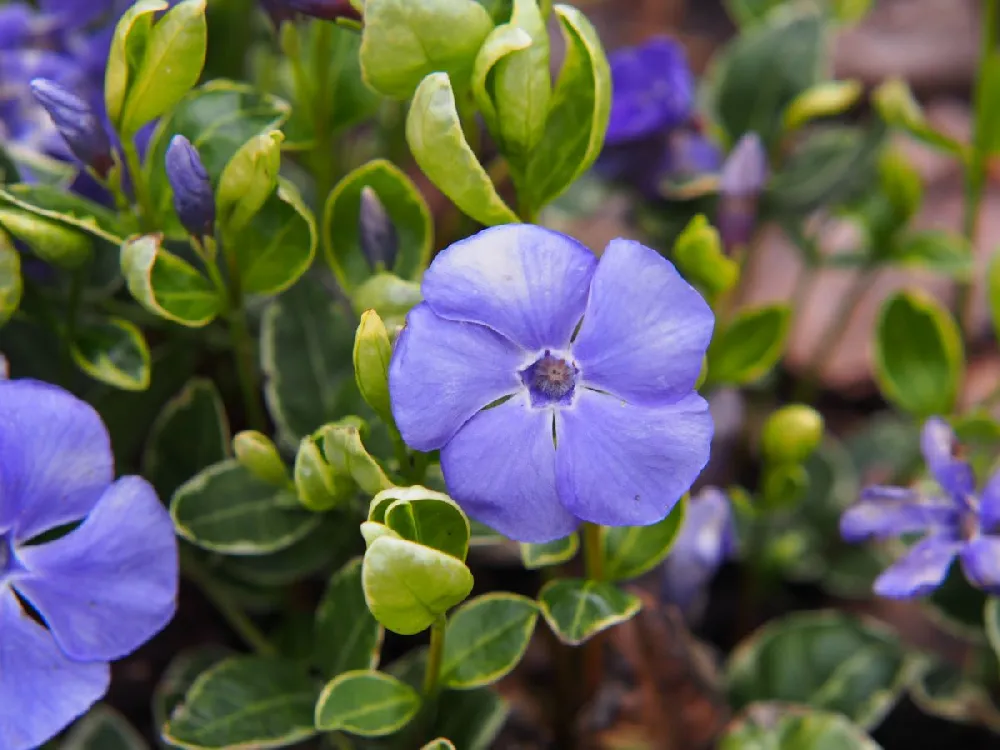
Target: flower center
(550, 380)
(969, 526)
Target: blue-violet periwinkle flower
(744, 175)
(194, 200)
(559, 389)
(958, 522)
(101, 590)
(77, 123)
(653, 90)
(707, 539)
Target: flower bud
(377, 234)
(258, 455)
(77, 123)
(792, 433)
(328, 10)
(314, 478)
(372, 352)
(743, 176)
(193, 197)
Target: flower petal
(618, 464)
(989, 504)
(938, 443)
(528, 283)
(981, 563)
(41, 689)
(109, 586)
(884, 512)
(55, 457)
(443, 372)
(500, 468)
(645, 330)
(921, 570)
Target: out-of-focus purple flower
(77, 123)
(653, 164)
(744, 175)
(544, 421)
(194, 200)
(653, 90)
(101, 590)
(707, 539)
(956, 523)
(328, 10)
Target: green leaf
(347, 635)
(473, 720)
(225, 509)
(428, 518)
(830, 168)
(750, 346)
(441, 743)
(577, 610)
(349, 458)
(521, 87)
(103, 728)
(485, 639)
(578, 116)
(50, 240)
(407, 586)
(67, 209)
(191, 433)
(699, 256)
(777, 726)
(991, 618)
(828, 660)
(407, 210)
(305, 350)
(896, 104)
(316, 484)
(11, 284)
(166, 285)
(534, 556)
(825, 99)
(502, 42)
(630, 551)
(173, 56)
(127, 48)
(278, 245)
(248, 701)
(434, 132)
(258, 455)
(937, 251)
(404, 41)
(113, 351)
(764, 69)
(248, 180)
(178, 678)
(942, 689)
(918, 354)
(366, 703)
(218, 118)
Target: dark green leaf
(777, 726)
(114, 352)
(178, 678)
(347, 635)
(366, 703)
(245, 702)
(941, 689)
(535, 556)
(936, 251)
(630, 551)
(68, 209)
(749, 346)
(103, 729)
(576, 609)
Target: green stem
(593, 551)
(833, 334)
(142, 197)
(432, 676)
(323, 156)
(243, 346)
(76, 285)
(223, 602)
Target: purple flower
(744, 175)
(77, 123)
(956, 522)
(653, 90)
(544, 421)
(707, 539)
(328, 10)
(101, 590)
(194, 200)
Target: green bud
(248, 180)
(258, 455)
(784, 486)
(825, 99)
(372, 351)
(52, 242)
(315, 480)
(896, 104)
(901, 184)
(699, 255)
(349, 459)
(791, 434)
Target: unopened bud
(372, 352)
(77, 123)
(258, 455)
(743, 177)
(792, 433)
(376, 232)
(328, 10)
(193, 197)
